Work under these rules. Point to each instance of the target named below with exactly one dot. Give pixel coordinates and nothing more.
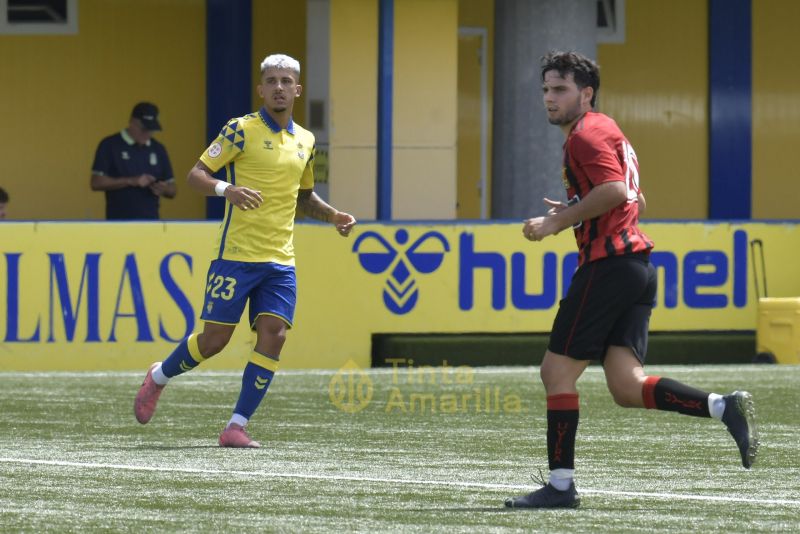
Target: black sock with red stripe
(672, 396)
(562, 425)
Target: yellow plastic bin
(778, 329)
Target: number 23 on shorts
(220, 287)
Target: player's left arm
(316, 208)
(609, 188)
(601, 199)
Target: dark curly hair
(584, 71)
(3, 196)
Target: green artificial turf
(423, 454)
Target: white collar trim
(128, 139)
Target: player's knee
(279, 335)
(554, 386)
(210, 345)
(276, 337)
(554, 379)
(545, 376)
(275, 331)
(271, 339)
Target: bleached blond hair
(281, 61)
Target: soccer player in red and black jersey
(606, 312)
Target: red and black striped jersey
(595, 152)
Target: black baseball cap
(148, 114)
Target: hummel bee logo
(301, 155)
(267, 144)
(261, 383)
(209, 306)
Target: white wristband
(220, 188)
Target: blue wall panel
(229, 84)
(730, 109)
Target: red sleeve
(594, 152)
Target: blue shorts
(270, 288)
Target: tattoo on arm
(202, 166)
(313, 206)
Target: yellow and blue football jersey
(258, 154)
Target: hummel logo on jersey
(301, 155)
(267, 144)
(261, 383)
(209, 306)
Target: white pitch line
(402, 481)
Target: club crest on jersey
(125, 155)
(267, 144)
(214, 150)
(153, 158)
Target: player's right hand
(344, 223)
(244, 198)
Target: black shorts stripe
(580, 309)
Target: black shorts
(608, 303)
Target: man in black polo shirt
(133, 168)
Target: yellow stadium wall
(425, 80)
(61, 94)
(69, 303)
(425, 109)
(284, 34)
(655, 85)
(353, 106)
(776, 109)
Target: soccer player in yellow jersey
(269, 164)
